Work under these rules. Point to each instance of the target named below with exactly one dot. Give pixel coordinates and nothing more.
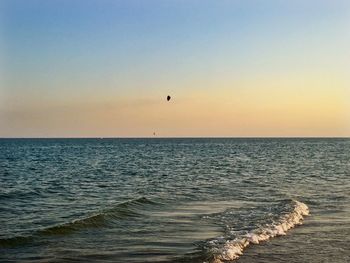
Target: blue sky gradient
(68, 53)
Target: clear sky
(103, 68)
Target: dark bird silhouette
(168, 98)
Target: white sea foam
(228, 250)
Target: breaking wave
(227, 249)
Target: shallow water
(172, 200)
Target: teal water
(174, 200)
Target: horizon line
(187, 137)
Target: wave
(121, 211)
(19, 194)
(222, 250)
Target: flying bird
(168, 98)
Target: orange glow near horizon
(260, 107)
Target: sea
(183, 200)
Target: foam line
(233, 249)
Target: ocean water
(175, 200)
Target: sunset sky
(235, 68)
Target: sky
(239, 68)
